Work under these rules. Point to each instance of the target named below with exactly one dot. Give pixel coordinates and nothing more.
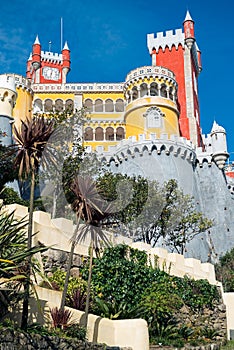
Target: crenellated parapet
(130, 148)
(52, 57)
(150, 81)
(170, 39)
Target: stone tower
(8, 97)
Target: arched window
(89, 105)
(98, 107)
(143, 90)
(163, 91)
(119, 105)
(58, 105)
(48, 107)
(171, 93)
(88, 134)
(99, 135)
(110, 134)
(109, 105)
(119, 133)
(153, 89)
(37, 107)
(69, 106)
(134, 93)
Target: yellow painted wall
(54, 96)
(104, 96)
(136, 122)
(23, 106)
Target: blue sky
(107, 39)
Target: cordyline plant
(30, 142)
(92, 210)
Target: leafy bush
(225, 271)
(75, 331)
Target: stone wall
(16, 340)
(214, 319)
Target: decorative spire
(66, 46)
(217, 128)
(37, 41)
(188, 17)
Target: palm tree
(93, 211)
(30, 143)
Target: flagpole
(61, 26)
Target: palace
(148, 125)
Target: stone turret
(8, 97)
(219, 145)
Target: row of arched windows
(152, 89)
(104, 106)
(49, 105)
(100, 134)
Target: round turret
(66, 62)
(8, 97)
(151, 102)
(219, 145)
(189, 30)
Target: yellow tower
(151, 103)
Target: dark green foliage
(225, 271)
(8, 171)
(75, 331)
(10, 196)
(121, 276)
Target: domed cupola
(151, 102)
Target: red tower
(179, 52)
(45, 67)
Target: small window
(119, 133)
(143, 90)
(134, 93)
(99, 135)
(110, 134)
(48, 106)
(38, 107)
(58, 105)
(98, 105)
(153, 89)
(119, 105)
(163, 91)
(88, 134)
(69, 106)
(89, 105)
(109, 105)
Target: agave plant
(30, 143)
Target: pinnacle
(188, 17)
(37, 40)
(66, 46)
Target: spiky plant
(30, 141)
(92, 210)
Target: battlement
(148, 71)
(129, 148)
(7, 81)
(171, 38)
(51, 57)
